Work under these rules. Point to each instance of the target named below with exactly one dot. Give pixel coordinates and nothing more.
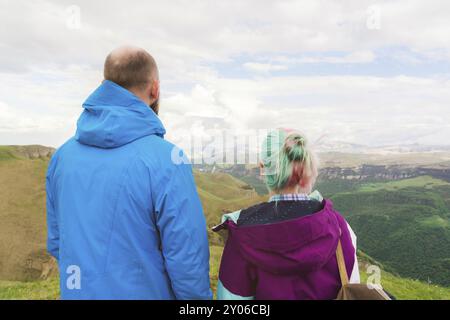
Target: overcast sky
(366, 72)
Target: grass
(214, 263)
(426, 182)
(435, 221)
(408, 289)
(401, 288)
(6, 153)
(220, 193)
(49, 289)
(257, 183)
(404, 223)
(22, 216)
(35, 290)
(223, 185)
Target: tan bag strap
(341, 264)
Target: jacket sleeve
(237, 278)
(355, 277)
(224, 294)
(184, 240)
(52, 219)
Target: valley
(398, 205)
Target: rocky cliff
(31, 151)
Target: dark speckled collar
(277, 211)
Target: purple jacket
(291, 259)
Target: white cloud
(364, 110)
(48, 69)
(43, 105)
(264, 67)
(178, 31)
(352, 57)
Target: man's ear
(154, 90)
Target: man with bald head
(124, 219)
(136, 70)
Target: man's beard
(155, 106)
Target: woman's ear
(299, 178)
(297, 172)
(304, 182)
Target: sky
(363, 72)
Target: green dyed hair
(282, 151)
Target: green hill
(402, 288)
(22, 214)
(221, 193)
(27, 272)
(405, 223)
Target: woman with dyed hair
(286, 248)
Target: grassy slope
(257, 183)
(401, 288)
(425, 182)
(221, 193)
(6, 153)
(33, 290)
(22, 216)
(404, 223)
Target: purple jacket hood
(300, 245)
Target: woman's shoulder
(275, 211)
(236, 215)
(278, 211)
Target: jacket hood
(113, 116)
(303, 244)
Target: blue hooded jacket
(124, 217)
